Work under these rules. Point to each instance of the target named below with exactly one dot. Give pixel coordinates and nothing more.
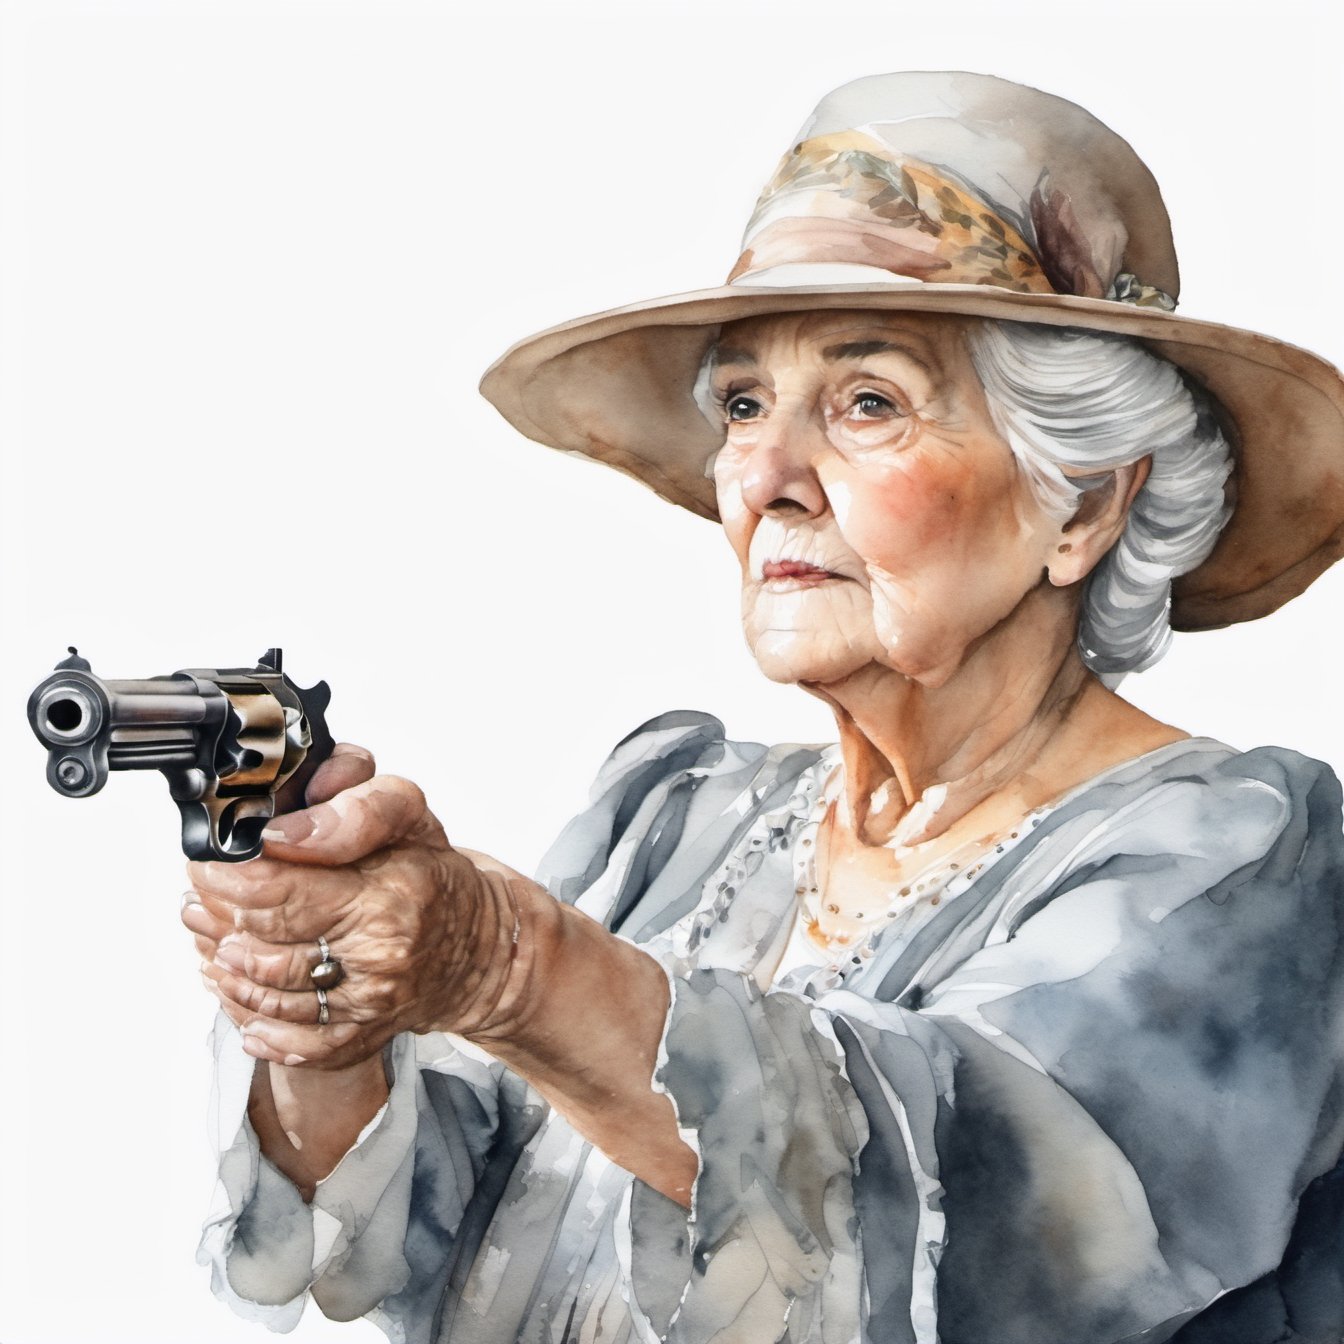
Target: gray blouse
(1093, 1095)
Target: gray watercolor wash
(1105, 1114)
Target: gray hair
(1086, 403)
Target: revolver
(228, 740)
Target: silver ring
(328, 973)
(323, 1012)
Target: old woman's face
(876, 512)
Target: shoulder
(1199, 889)
(1195, 826)
(1301, 782)
(676, 785)
(1290, 807)
(693, 747)
(679, 740)
(1242, 802)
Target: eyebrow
(727, 354)
(862, 349)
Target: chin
(791, 656)
(819, 636)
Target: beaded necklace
(946, 877)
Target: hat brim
(616, 387)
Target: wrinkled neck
(918, 758)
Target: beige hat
(959, 194)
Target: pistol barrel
(115, 725)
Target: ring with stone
(323, 1012)
(328, 973)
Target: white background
(255, 257)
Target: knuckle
(397, 955)
(380, 996)
(299, 965)
(400, 788)
(253, 997)
(270, 926)
(399, 907)
(338, 1047)
(352, 751)
(234, 992)
(218, 910)
(322, 1052)
(398, 803)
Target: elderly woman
(1013, 1016)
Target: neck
(918, 758)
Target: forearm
(581, 1019)
(488, 955)
(306, 1120)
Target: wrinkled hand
(424, 934)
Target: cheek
(906, 517)
(734, 514)
(926, 533)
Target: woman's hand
(430, 939)
(381, 884)
(424, 937)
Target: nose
(779, 478)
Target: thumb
(347, 766)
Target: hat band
(844, 199)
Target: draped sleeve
(377, 1235)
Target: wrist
(306, 1120)
(529, 924)
(486, 978)
(299, 1092)
(581, 998)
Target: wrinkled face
(876, 512)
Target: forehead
(933, 340)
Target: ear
(1096, 527)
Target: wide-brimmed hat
(959, 194)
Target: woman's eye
(873, 407)
(741, 408)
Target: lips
(795, 572)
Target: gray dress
(1093, 1094)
